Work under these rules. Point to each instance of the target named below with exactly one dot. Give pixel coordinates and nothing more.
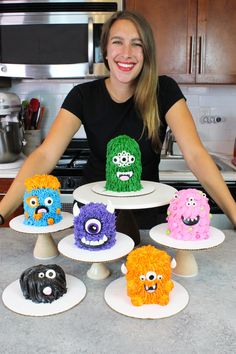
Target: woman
(130, 101)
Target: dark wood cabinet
(196, 39)
(4, 186)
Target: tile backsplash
(213, 108)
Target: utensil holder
(33, 140)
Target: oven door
(53, 39)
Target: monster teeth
(94, 242)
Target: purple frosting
(94, 227)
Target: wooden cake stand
(45, 247)
(186, 262)
(152, 195)
(14, 300)
(98, 270)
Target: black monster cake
(43, 283)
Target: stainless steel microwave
(53, 38)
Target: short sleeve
(169, 93)
(73, 102)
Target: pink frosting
(188, 215)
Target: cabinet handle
(90, 45)
(192, 40)
(201, 48)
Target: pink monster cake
(188, 215)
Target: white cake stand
(186, 262)
(154, 195)
(116, 297)
(124, 244)
(15, 301)
(45, 247)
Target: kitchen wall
(213, 108)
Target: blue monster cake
(42, 203)
(94, 226)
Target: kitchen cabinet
(4, 186)
(196, 39)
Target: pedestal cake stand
(116, 297)
(98, 270)
(186, 262)
(45, 247)
(14, 300)
(152, 195)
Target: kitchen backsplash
(213, 108)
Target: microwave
(53, 38)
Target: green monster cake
(123, 165)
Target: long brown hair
(145, 94)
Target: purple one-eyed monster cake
(94, 226)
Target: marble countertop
(206, 325)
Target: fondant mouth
(150, 289)
(94, 243)
(124, 176)
(41, 209)
(190, 221)
(47, 290)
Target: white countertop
(10, 171)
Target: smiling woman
(131, 101)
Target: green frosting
(123, 165)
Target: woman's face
(124, 51)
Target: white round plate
(124, 244)
(158, 234)
(116, 297)
(161, 195)
(18, 225)
(14, 299)
(148, 187)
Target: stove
(69, 169)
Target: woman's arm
(199, 161)
(43, 159)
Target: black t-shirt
(104, 119)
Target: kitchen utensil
(33, 108)
(40, 118)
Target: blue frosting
(43, 201)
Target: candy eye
(41, 275)
(93, 226)
(115, 160)
(151, 276)
(51, 274)
(176, 196)
(159, 277)
(48, 201)
(142, 277)
(32, 202)
(131, 159)
(124, 159)
(194, 203)
(188, 204)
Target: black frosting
(43, 283)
